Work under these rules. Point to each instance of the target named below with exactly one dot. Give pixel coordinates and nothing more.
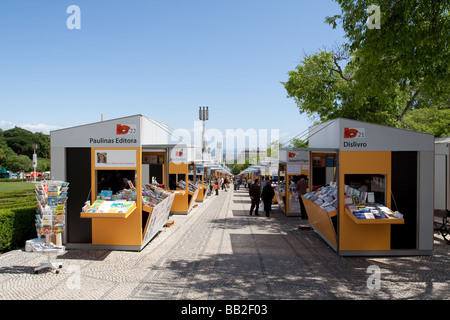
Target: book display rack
(51, 199)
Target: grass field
(16, 186)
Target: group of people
(221, 183)
(266, 195)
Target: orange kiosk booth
(118, 172)
(182, 183)
(379, 201)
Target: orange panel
(180, 202)
(118, 231)
(354, 236)
(178, 168)
(321, 220)
(106, 231)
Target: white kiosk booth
(381, 202)
(118, 172)
(442, 187)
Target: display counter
(109, 209)
(322, 221)
(372, 215)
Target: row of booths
(370, 187)
(126, 178)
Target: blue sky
(162, 59)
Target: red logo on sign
(178, 153)
(122, 129)
(291, 154)
(350, 133)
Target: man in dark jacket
(255, 194)
(267, 196)
(301, 187)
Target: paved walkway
(219, 252)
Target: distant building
(251, 155)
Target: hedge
(14, 199)
(17, 225)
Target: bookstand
(51, 199)
(50, 250)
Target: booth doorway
(78, 174)
(404, 198)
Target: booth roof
(377, 137)
(115, 119)
(442, 140)
(326, 123)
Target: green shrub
(17, 225)
(6, 230)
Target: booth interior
(184, 183)
(370, 188)
(316, 166)
(121, 195)
(203, 180)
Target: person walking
(216, 187)
(267, 195)
(301, 187)
(225, 184)
(255, 195)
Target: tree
(298, 143)
(17, 163)
(381, 75)
(21, 142)
(237, 168)
(273, 149)
(16, 150)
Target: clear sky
(159, 58)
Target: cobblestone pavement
(219, 252)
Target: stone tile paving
(219, 252)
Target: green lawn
(16, 186)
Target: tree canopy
(397, 75)
(16, 150)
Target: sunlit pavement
(219, 252)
